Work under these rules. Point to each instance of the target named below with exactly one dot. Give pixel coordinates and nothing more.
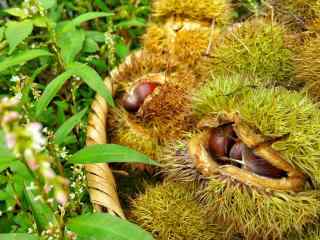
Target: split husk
(148, 129)
(256, 207)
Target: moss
(219, 10)
(255, 47)
(274, 111)
(307, 64)
(297, 14)
(170, 212)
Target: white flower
(31, 187)
(38, 140)
(72, 196)
(10, 140)
(61, 197)
(11, 102)
(37, 198)
(15, 78)
(30, 159)
(33, 9)
(47, 171)
(10, 116)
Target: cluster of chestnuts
(133, 100)
(227, 148)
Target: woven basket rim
(101, 182)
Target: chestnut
(143, 90)
(221, 140)
(236, 150)
(260, 166)
(133, 101)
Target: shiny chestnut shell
(236, 150)
(221, 140)
(143, 90)
(133, 101)
(260, 166)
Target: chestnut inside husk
(133, 100)
(227, 148)
(232, 148)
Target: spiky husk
(314, 26)
(141, 64)
(187, 46)
(255, 47)
(274, 112)
(170, 212)
(219, 10)
(255, 213)
(297, 14)
(127, 131)
(168, 113)
(245, 210)
(310, 233)
(308, 66)
(259, 215)
(163, 115)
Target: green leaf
(22, 57)
(122, 50)
(51, 90)
(101, 226)
(102, 5)
(90, 46)
(96, 36)
(1, 33)
(135, 22)
(70, 42)
(40, 22)
(92, 78)
(66, 128)
(89, 16)
(5, 154)
(17, 12)
(42, 213)
(109, 153)
(18, 236)
(47, 4)
(16, 32)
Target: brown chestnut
(133, 101)
(221, 140)
(236, 150)
(143, 90)
(260, 166)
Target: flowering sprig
(27, 143)
(33, 8)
